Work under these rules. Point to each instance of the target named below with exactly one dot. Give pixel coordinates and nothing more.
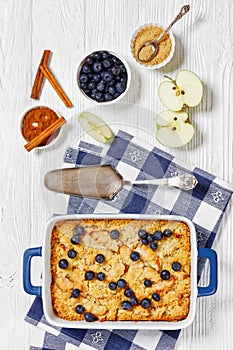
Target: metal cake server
(103, 181)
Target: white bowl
(163, 63)
(128, 78)
(54, 140)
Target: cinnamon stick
(36, 88)
(46, 133)
(48, 74)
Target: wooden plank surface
(71, 29)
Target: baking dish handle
(211, 255)
(27, 285)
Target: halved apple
(186, 90)
(95, 127)
(174, 128)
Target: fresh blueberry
(100, 86)
(114, 234)
(97, 67)
(79, 230)
(83, 86)
(107, 76)
(117, 94)
(145, 303)
(96, 77)
(142, 233)
(165, 274)
(122, 67)
(110, 82)
(63, 264)
(150, 238)
(117, 78)
(99, 258)
(99, 97)
(158, 235)
(100, 276)
(134, 256)
(105, 55)
(92, 85)
(87, 91)
(89, 275)
(120, 87)
(108, 97)
(134, 301)
(79, 309)
(128, 293)
(147, 283)
(112, 286)
(126, 305)
(111, 90)
(176, 266)
(121, 283)
(75, 239)
(153, 246)
(86, 68)
(116, 70)
(90, 76)
(167, 232)
(75, 293)
(123, 78)
(155, 296)
(116, 60)
(144, 241)
(89, 317)
(72, 253)
(89, 60)
(107, 63)
(93, 93)
(83, 78)
(97, 56)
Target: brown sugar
(151, 33)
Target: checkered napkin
(205, 206)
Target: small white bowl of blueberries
(103, 77)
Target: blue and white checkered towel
(205, 206)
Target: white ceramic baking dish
(44, 290)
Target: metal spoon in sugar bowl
(154, 45)
(103, 181)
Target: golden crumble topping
(119, 275)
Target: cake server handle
(184, 182)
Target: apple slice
(174, 129)
(186, 90)
(95, 127)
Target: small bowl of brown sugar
(166, 46)
(37, 119)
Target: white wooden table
(72, 28)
